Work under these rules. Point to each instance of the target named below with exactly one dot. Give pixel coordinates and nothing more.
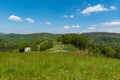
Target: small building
(27, 49)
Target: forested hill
(101, 34)
(16, 38)
(100, 38)
(2, 34)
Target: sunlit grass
(57, 66)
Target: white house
(27, 49)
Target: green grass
(57, 66)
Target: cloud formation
(113, 8)
(68, 16)
(114, 30)
(48, 23)
(15, 18)
(75, 26)
(113, 23)
(70, 27)
(30, 20)
(96, 8)
(93, 27)
(66, 27)
(112, 27)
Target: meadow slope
(57, 66)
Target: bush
(6, 46)
(76, 40)
(22, 46)
(44, 45)
(108, 51)
(117, 54)
(71, 48)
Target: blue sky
(59, 16)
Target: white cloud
(96, 8)
(113, 23)
(115, 30)
(66, 27)
(30, 20)
(14, 18)
(113, 27)
(65, 16)
(111, 30)
(48, 23)
(93, 27)
(71, 27)
(113, 8)
(68, 16)
(75, 26)
(71, 16)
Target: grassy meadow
(57, 66)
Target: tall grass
(57, 66)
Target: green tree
(108, 51)
(76, 40)
(44, 45)
(22, 46)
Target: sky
(59, 16)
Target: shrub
(76, 40)
(44, 45)
(22, 46)
(108, 51)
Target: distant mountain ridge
(102, 38)
(2, 34)
(100, 34)
(17, 38)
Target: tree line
(79, 41)
(40, 45)
(83, 43)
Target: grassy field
(57, 66)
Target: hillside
(101, 34)
(58, 62)
(30, 38)
(2, 34)
(58, 66)
(100, 38)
